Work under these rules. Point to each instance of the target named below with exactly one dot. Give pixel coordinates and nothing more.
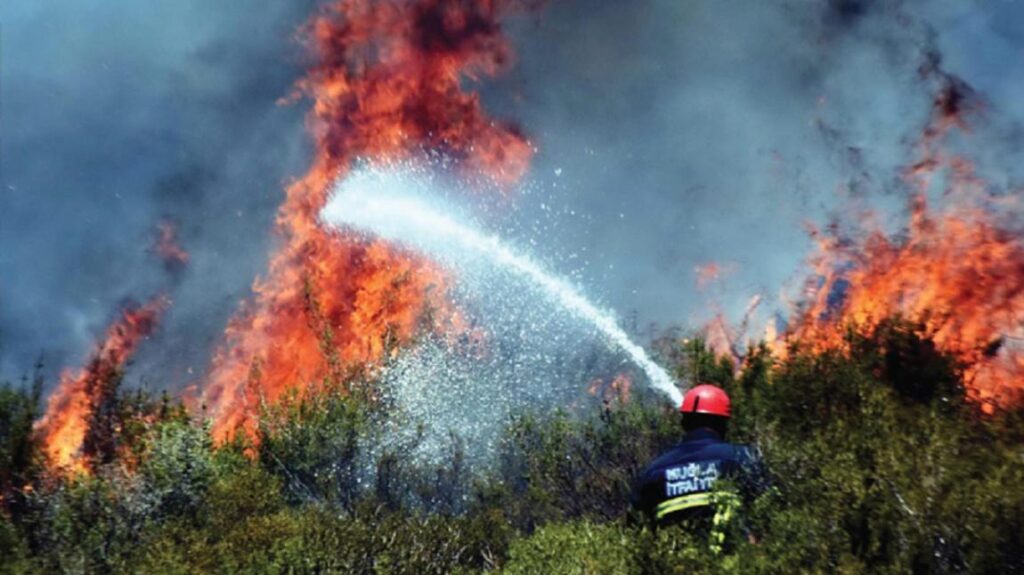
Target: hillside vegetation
(879, 464)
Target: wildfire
(958, 270)
(71, 406)
(725, 338)
(388, 84)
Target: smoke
(686, 133)
(670, 135)
(117, 116)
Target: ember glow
(69, 409)
(388, 83)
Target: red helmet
(707, 399)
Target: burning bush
(79, 427)
(388, 82)
(877, 466)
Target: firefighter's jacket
(680, 485)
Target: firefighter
(679, 486)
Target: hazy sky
(671, 133)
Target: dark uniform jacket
(679, 484)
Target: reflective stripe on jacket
(680, 484)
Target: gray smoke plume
(669, 133)
(116, 116)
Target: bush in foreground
(879, 465)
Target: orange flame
(959, 271)
(69, 409)
(388, 84)
(614, 392)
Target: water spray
(402, 205)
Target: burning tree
(389, 82)
(958, 271)
(76, 429)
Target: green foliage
(318, 540)
(119, 425)
(20, 459)
(575, 548)
(330, 446)
(314, 444)
(86, 524)
(178, 468)
(13, 551)
(562, 467)
(879, 464)
(585, 547)
(876, 474)
(91, 523)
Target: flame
(63, 427)
(388, 84)
(614, 392)
(725, 338)
(958, 270)
(167, 247)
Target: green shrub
(86, 524)
(878, 462)
(13, 550)
(178, 468)
(563, 467)
(315, 442)
(579, 547)
(876, 471)
(20, 457)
